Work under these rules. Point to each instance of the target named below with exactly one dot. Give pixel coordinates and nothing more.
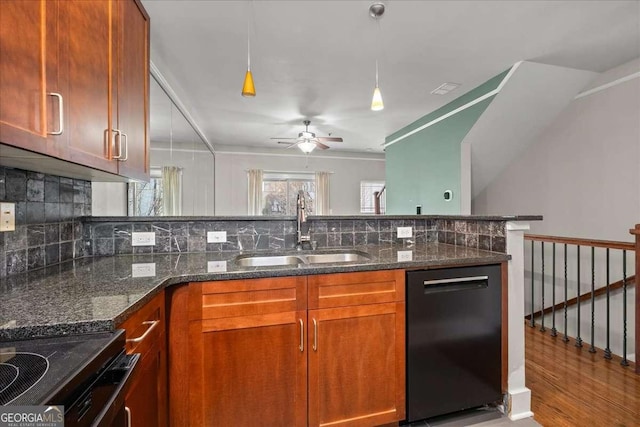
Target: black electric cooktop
(39, 371)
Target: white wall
(108, 199)
(197, 177)
(231, 176)
(582, 174)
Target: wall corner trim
(459, 109)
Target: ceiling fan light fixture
(307, 146)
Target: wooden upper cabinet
(74, 81)
(23, 90)
(79, 67)
(131, 107)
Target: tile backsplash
(48, 226)
(54, 224)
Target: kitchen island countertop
(96, 294)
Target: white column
(519, 396)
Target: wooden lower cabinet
(250, 371)
(356, 365)
(146, 398)
(255, 354)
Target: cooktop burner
(33, 372)
(18, 373)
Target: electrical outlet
(146, 238)
(216, 266)
(216, 236)
(405, 256)
(7, 216)
(147, 269)
(405, 232)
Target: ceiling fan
(308, 141)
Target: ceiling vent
(445, 88)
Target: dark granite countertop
(97, 294)
(311, 218)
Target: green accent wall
(422, 166)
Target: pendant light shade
(307, 146)
(376, 102)
(248, 89)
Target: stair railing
(566, 260)
(636, 233)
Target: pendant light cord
(248, 45)
(378, 44)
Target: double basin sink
(303, 258)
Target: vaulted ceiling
(316, 59)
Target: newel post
(636, 233)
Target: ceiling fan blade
(329, 139)
(283, 138)
(289, 144)
(321, 145)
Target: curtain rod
(307, 172)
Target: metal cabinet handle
(128, 411)
(301, 346)
(153, 324)
(60, 114)
(126, 148)
(117, 135)
(455, 280)
(315, 335)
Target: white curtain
(171, 191)
(322, 193)
(255, 192)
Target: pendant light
(376, 11)
(248, 89)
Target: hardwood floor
(572, 387)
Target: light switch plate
(146, 269)
(216, 236)
(405, 232)
(216, 266)
(405, 256)
(7, 216)
(143, 238)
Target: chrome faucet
(301, 213)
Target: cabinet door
(147, 395)
(249, 371)
(133, 89)
(247, 353)
(83, 70)
(356, 365)
(22, 74)
(142, 400)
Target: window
(145, 198)
(367, 196)
(280, 192)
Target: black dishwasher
(453, 340)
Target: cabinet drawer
(346, 289)
(146, 327)
(255, 297)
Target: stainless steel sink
(267, 261)
(338, 257)
(307, 258)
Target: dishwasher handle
(455, 284)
